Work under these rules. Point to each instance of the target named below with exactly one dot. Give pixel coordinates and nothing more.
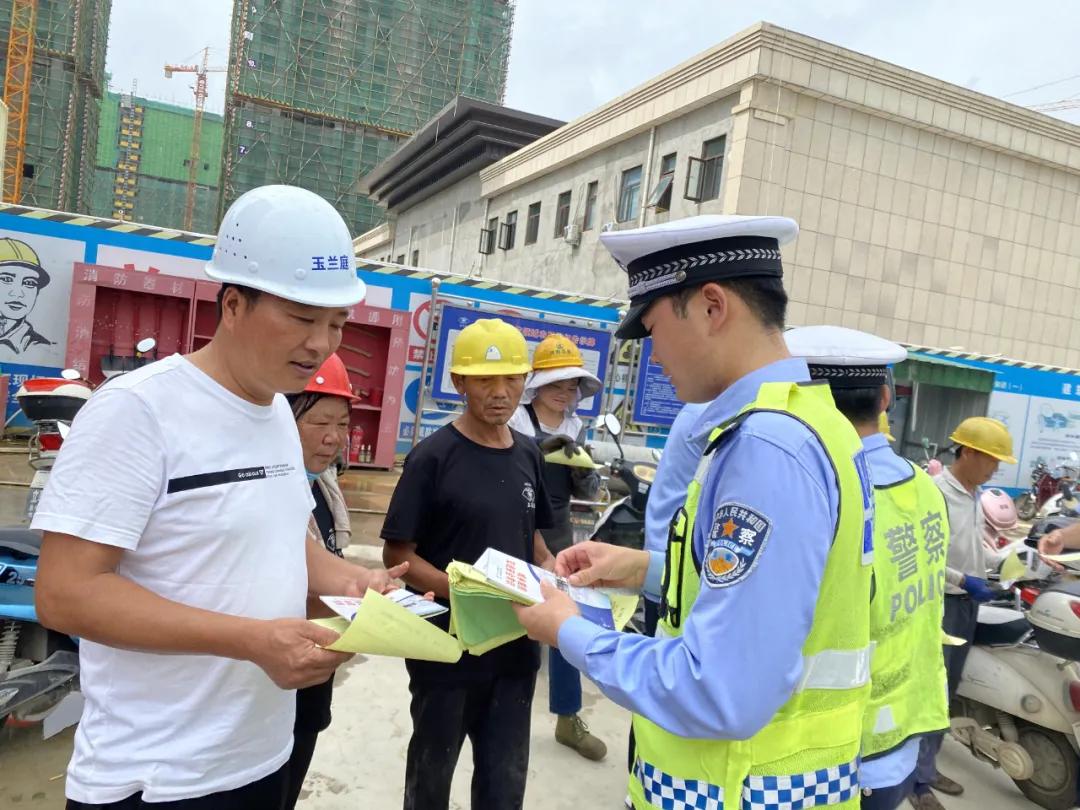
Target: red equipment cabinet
(374, 347)
(204, 313)
(112, 309)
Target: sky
(570, 56)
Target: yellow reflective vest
(810, 748)
(908, 695)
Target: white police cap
(847, 358)
(661, 259)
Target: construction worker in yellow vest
(752, 694)
(911, 537)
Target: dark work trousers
(564, 685)
(961, 617)
(299, 761)
(564, 681)
(266, 794)
(495, 714)
(888, 798)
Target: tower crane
(201, 71)
(17, 75)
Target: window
(703, 174)
(562, 214)
(400, 259)
(507, 231)
(416, 258)
(661, 194)
(629, 195)
(487, 236)
(590, 206)
(532, 226)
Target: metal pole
(420, 398)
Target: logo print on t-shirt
(529, 495)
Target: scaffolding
(143, 163)
(321, 91)
(61, 125)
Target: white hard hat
(288, 242)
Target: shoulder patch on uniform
(736, 538)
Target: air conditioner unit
(572, 234)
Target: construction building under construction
(144, 161)
(319, 92)
(54, 75)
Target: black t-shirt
(313, 702)
(455, 499)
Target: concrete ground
(360, 760)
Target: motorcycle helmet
(1055, 617)
(999, 509)
(934, 467)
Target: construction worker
(175, 523)
(911, 536)
(558, 383)
(471, 485)
(754, 689)
(981, 445)
(322, 415)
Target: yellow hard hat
(883, 427)
(490, 347)
(14, 253)
(557, 351)
(985, 435)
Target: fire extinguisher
(356, 441)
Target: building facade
(321, 91)
(929, 214)
(59, 132)
(143, 159)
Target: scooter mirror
(63, 429)
(612, 424)
(145, 345)
(70, 374)
(925, 443)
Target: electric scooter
(1018, 703)
(39, 668)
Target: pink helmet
(999, 509)
(934, 467)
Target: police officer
(754, 689)
(911, 535)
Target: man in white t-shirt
(175, 523)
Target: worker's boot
(925, 801)
(943, 784)
(571, 731)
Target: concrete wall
(430, 229)
(929, 214)
(915, 235)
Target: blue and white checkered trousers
(829, 786)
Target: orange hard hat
(331, 380)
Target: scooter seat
(1000, 626)
(24, 541)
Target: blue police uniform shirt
(673, 474)
(887, 469)
(739, 658)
